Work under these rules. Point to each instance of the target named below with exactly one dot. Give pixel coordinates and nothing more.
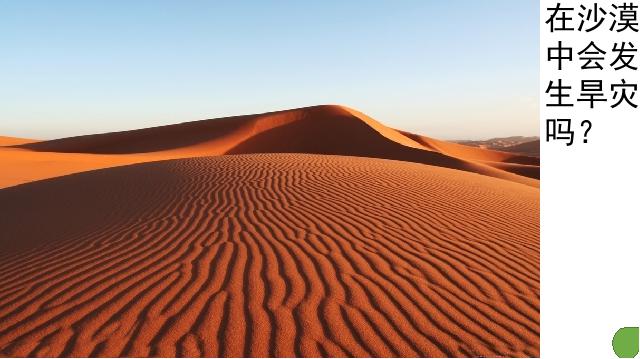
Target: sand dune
(472, 153)
(329, 129)
(509, 161)
(269, 255)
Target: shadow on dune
(354, 138)
(66, 207)
(349, 136)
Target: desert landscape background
(528, 145)
(315, 231)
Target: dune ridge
(270, 255)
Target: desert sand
(12, 141)
(306, 232)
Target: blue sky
(451, 69)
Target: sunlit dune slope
(13, 141)
(270, 255)
(325, 129)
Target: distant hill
(515, 144)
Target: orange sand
(297, 233)
(12, 141)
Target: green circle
(626, 342)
